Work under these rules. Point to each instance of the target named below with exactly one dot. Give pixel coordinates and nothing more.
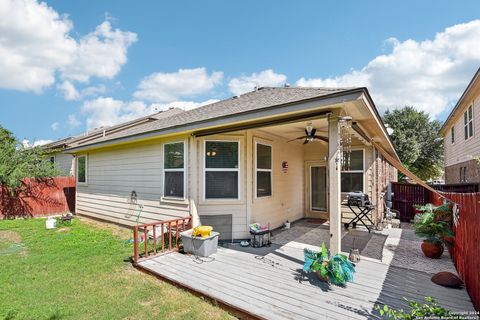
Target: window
(174, 170)
(82, 169)
(52, 159)
(221, 169)
(463, 174)
(352, 172)
(468, 122)
(263, 170)
(452, 134)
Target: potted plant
(335, 269)
(434, 231)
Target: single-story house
(267, 156)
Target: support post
(334, 195)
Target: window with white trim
(222, 160)
(174, 170)
(82, 169)
(452, 134)
(468, 122)
(353, 172)
(263, 170)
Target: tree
(415, 138)
(18, 162)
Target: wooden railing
(165, 242)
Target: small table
(362, 213)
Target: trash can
(200, 246)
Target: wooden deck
(273, 286)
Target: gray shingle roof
(262, 98)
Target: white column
(334, 168)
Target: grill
(358, 198)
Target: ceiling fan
(310, 135)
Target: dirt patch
(10, 236)
(119, 231)
(64, 229)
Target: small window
(468, 123)
(174, 170)
(52, 159)
(221, 169)
(463, 174)
(352, 171)
(452, 134)
(82, 169)
(263, 170)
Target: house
(267, 156)
(461, 141)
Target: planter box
(199, 246)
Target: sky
(71, 66)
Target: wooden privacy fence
(466, 249)
(406, 196)
(158, 237)
(39, 198)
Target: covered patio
(269, 282)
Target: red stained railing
(165, 242)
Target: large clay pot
(432, 250)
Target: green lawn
(82, 272)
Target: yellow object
(202, 231)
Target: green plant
(429, 309)
(336, 269)
(427, 226)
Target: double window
(222, 161)
(82, 169)
(468, 122)
(263, 170)
(352, 171)
(174, 169)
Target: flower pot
(432, 250)
(322, 278)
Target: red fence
(39, 198)
(466, 251)
(405, 196)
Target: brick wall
(472, 172)
(385, 173)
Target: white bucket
(51, 223)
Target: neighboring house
(461, 141)
(235, 162)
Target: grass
(83, 271)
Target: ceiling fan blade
(299, 138)
(313, 132)
(306, 132)
(321, 138)
(306, 141)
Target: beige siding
(463, 150)
(111, 177)
(65, 163)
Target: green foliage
(416, 141)
(430, 309)
(18, 162)
(426, 225)
(337, 269)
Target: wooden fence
(466, 250)
(39, 198)
(406, 196)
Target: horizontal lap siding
(114, 174)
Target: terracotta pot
(432, 250)
(322, 278)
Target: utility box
(200, 246)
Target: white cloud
(429, 74)
(69, 91)
(72, 121)
(35, 45)
(55, 126)
(266, 78)
(106, 111)
(40, 142)
(168, 87)
(100, 53)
